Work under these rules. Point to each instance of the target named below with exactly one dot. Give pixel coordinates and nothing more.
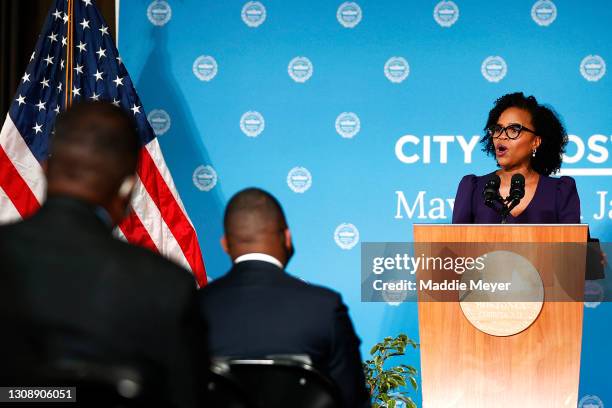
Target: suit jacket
(257, 309)
(86, 295)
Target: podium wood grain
(464, 367)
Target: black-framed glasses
(512, 131)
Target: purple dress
(555, 202)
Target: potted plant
(389, 385)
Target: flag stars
(64, 41)
(98, 75)
(41, 105)
(84, 24)
(79, 69)
(32, 56)
(115, 102)
(87, 2)
(94, 97)
(76, 91)
(49, 60)
(26, 77)
(103, 30)
(101, 53)
(62, 64)
(57, 109)
(135, 109)
(59, 87)
(57, 14)
(20, 100)
(65, 18)
(82, 46)
(118, 81)
(44, 83)
(52, 37)
(37, 128)
(118, 58)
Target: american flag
(76, 59)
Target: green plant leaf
(410, 369)
(414, 384)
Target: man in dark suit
(257, 309)
(85, 295)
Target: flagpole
(117, 8)
(69, 55)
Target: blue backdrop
(362, 117)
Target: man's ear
(224, 245)
(126, 188)
(119, 206)
(288, 241)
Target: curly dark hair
(546, 124)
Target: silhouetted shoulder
(324, 297)
(152, 268)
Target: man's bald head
(94, 149)
(254, 222)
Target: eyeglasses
(512, 131)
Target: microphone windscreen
(517, 179)
(494, 182)
(517, 186)
(491, 189)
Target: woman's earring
(533, 152)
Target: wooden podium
(464, 367)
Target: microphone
(491, 192)
(517, 190)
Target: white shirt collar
(257, 256)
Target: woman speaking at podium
(528, 141)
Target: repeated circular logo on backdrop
(159, 121)
(346, 236)
(347, 124)
(204, 178)
(253, 14)
(299, 179)
(349, 14)
(300, 69)
(394, 297)
(397, 69)
(593, 294)
(544, 12)
(159, 12)
(205, 67)
(252, 123)
(446, 13)
(590, 401)
(593, 68)
(494, 68)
